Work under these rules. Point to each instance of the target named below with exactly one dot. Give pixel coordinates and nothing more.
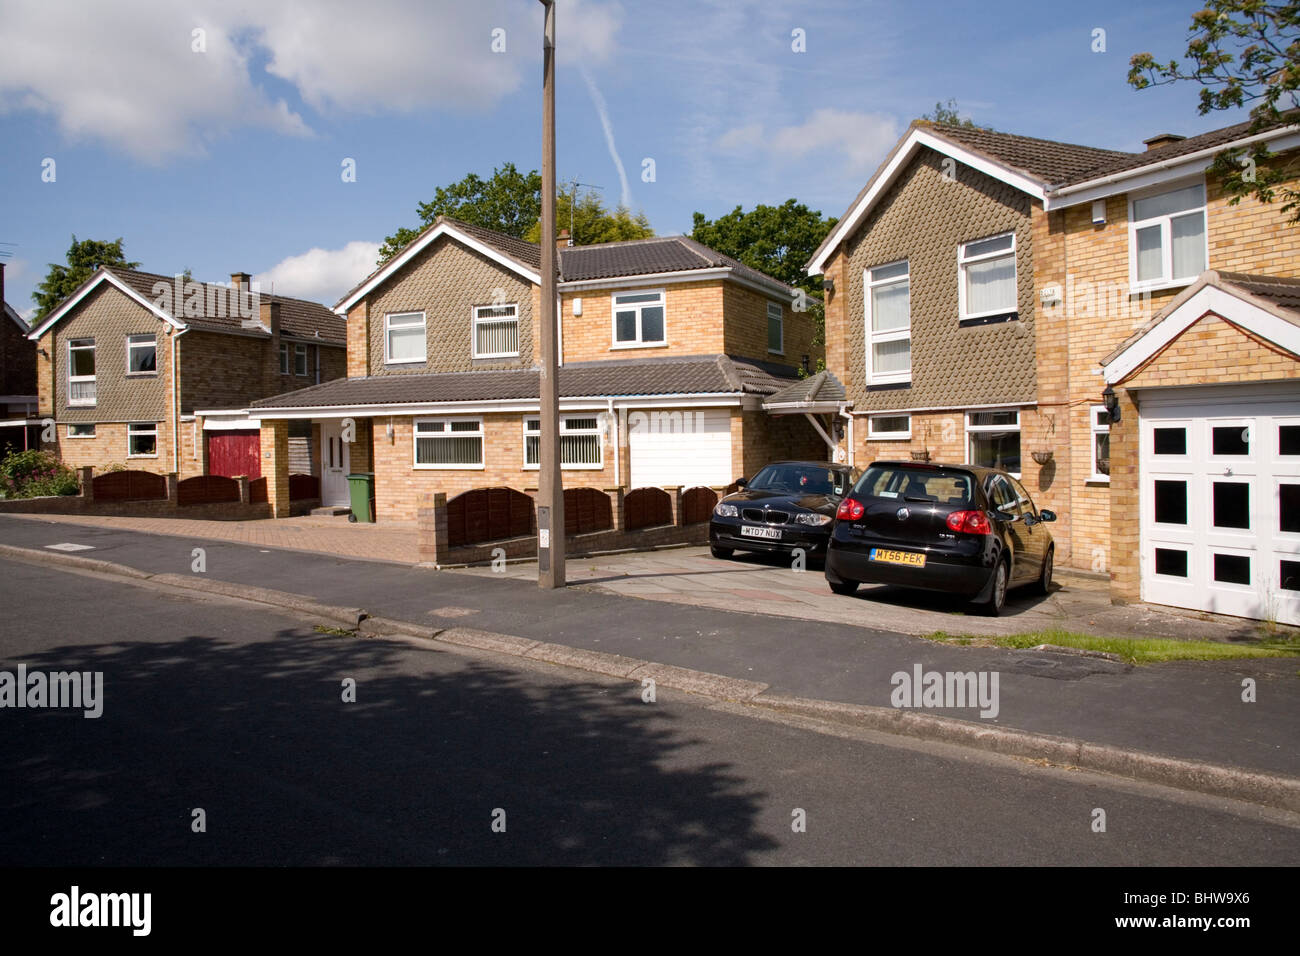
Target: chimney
(1162, 139)
(271, 317)
(240, 281)
(564, 240)
(2, 286)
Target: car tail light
(850, 510)
(970, 522)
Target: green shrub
(33, 474)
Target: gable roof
(1265, 306)
(715, 374)
(822, 388)
(654, 256)
(1056, 173)
(299, 318)
(10, 311)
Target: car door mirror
(999, 515)
(1046, 515)
(741, 484)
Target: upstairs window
(775, 328)
(987, 287)
(638, 319)
(404, 340)
(1167, 237)
(889, 324)
(284, 359)
(141, 354)
(496, 331)
(81, 372)
(300, 360)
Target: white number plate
(773, 533)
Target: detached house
(19, 427)
(154, 372)
(1103, 324)
(667, 351)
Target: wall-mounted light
(577, 307)
(1111, 401)
(388, 430)
(1099, 212)
(828, 285)
(42, 353)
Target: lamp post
(550, 489)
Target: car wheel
(1044, 585)
(844, 587)
(723, 553)
(998, 597)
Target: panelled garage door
(680, 447)
(1220, 503)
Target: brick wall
(109, 447)
(230, 371)
(693, 323)
(17, 359)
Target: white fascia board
(917, 139)
(229, 424)
(1210, 299)
(416, 247)
(580, 403)
(91, 284)
(1168, 170)
(795, 408)
(939, 408)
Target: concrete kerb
(1229, 782)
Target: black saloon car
(963, 529)
(787, 505)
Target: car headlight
(812, 518)
(724, 510)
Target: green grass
(1135, 650)
(337, 631)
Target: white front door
(1220, 502)
(334, 469)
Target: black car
(963, 529)
(787, 505)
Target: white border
(424, 325)
(92, 283)
(963, 261)
(893, 335)
(481, 435)
(615, 344)
(1166, 280)
(473, 330)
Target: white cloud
(124, 72)
(740, 138)
(860, 139)
(322, 275)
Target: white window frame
(284, 358)
(888, 436)
(1166, 280)
(131, 345)
(779, 318)
(72, 425)
(1095, 429)
(598, 431)
(639, 342)
(74, 346)
(141, 428)
(300, 352)
(893, 335)
(979, 429)
(424, 326)
(964, 260)
(447, 433)
(477, 319)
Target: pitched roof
(10, 311)
(822, 387)
(605, 260)
(684, 375)
(1046, 160)
(298, 317)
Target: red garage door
(235, 453)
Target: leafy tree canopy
(1242, 53)
(947, 114)
(776, 240)
(84, 257)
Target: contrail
(603, 111)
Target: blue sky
(229, 159)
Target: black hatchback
(963, 529)
(787, 505)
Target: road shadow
(256, 734)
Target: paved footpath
(1190, 710)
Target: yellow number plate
(898, 557)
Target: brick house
(18, 425)
(667, 351)
(1063, 311)
(154, 373)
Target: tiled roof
(822, 387)
(1046, 160)
(697, 374)
(298, 317)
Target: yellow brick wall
(1212, 351)
(108, 447)
(693, 314)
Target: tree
(510, 202)
(948, 115)
(84, 257)
(1243, 53)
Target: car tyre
(844, 587)
(722, 553)
(1044, 585)
(998, 596)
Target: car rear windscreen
(915, 484)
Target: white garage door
(1220, 503)
(680, 447)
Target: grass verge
(1135, 650)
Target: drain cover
(67, 546)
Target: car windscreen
(798, 480)
(916, 484)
